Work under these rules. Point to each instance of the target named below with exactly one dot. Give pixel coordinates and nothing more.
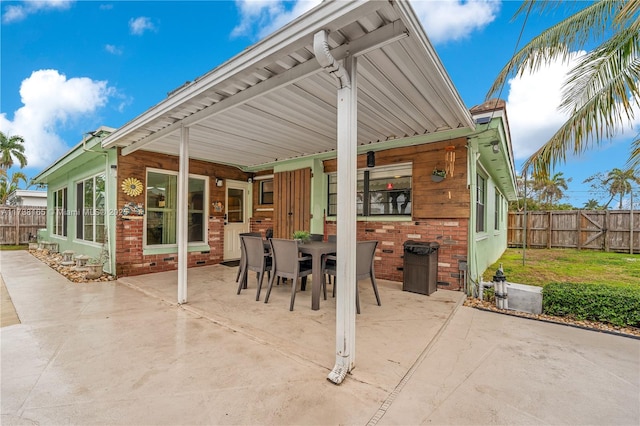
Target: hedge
(617, 305)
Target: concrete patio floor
(124, 353)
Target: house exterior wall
(79, 166)
(133, 257)
(442, 212)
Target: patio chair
(365, 252)
(287, 263)
(332, 238)
(255, 260)
(242, 255)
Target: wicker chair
(287, 264)
(365, 253)
(255, 260)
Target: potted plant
(94, 268)
(302, 236)
(438, 175)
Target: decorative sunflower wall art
(132, 187)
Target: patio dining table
(316, 249)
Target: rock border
(54, 261)
(630, 332)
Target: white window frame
(205, 211)
(405, 167)
(80, 216)
(60, 212)
(481, 225)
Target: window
(383, 191)
(60, 212)
(498, 211)
(266, 191)
(90, 208)
(162, 195)
(480, 203)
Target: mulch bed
(589, 325)
(53, 260)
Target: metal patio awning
(273, 100)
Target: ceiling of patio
(273, 102)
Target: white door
(236, 219)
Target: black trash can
(420, 267)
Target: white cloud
(259, 18)
(114, 50)
(443, 20)
(18, 12)
(454, 20)
(138, 26)
(49, 101)
(532, 105)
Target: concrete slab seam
(394, 394)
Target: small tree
(8, 185)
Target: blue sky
(70, 66)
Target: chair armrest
(300, 259)
(331, 257)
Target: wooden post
(550, 230)
(607, 220)
(17, 224)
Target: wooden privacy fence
(608, 230)
(17, 223)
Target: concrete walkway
(110, 354)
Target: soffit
(403, 91)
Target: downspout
(346, 120)
(327, 61)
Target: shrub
(617, 305)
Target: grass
(14, 247)
(544, 266)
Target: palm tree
(550, 190)
(601, 90)
(619, 183)
(10, 148)
(7, 186)
(591, 204)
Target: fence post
(607, 225)
(17, 219)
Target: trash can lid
(420, 247)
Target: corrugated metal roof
(273, 102)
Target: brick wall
(451, 234)
(130, 259)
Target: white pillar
(347, 134)
(182, 218)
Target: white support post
(182, 218)
(347, 133)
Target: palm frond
(612, 70)
(569, 35)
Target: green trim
(173, 249)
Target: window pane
(196, 209)
(384, 190)
(161, 210)
(235, 208)
(100, 208)
(266, 192)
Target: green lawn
(544, 266)
(14, 247)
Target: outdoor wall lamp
(219, 182)
(371, 159)
(495, 147)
